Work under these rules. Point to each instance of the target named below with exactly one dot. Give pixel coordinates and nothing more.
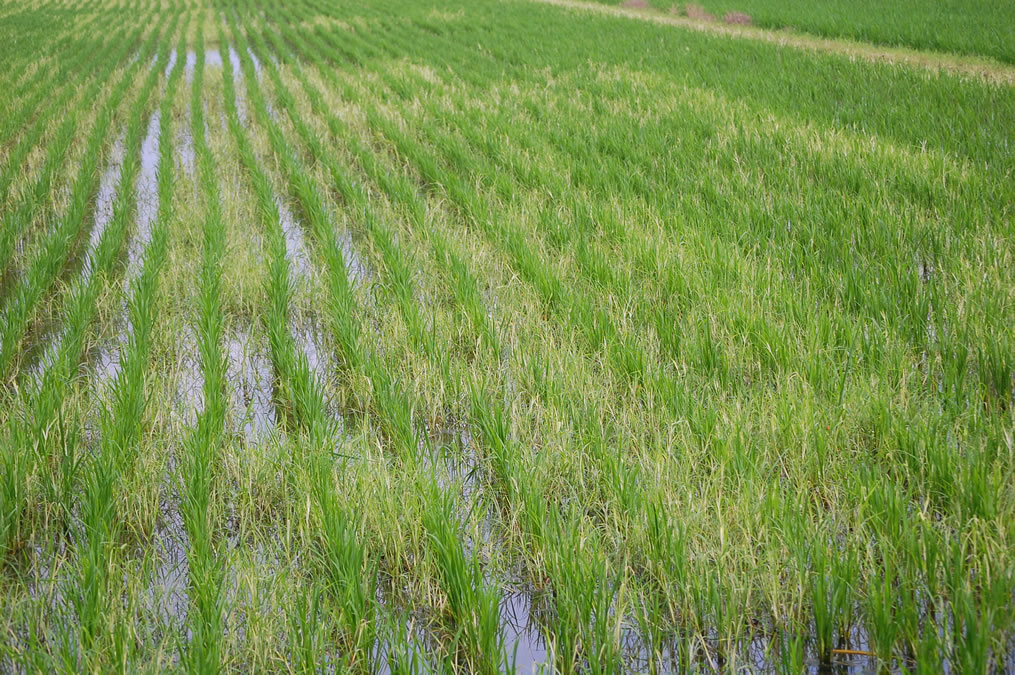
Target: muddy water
(234, 59)
(189, 399)
(185, 151)
(171, 63)
(147, 204)
(257, 73)
(51, 340)
(108, 360)
(307, 335)
(167, 592)
(295, 244)
(355, 267)
(212, 57)
(250, 376)
(238, 86)
(525, 646)
(188, 66)
(310, 339)
(450, 456)
(147, 199)
(104, 203)
(249, 379)
(524, 640)
(257, 61)
(408, 637)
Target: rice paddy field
(971, 27)
(501, 335)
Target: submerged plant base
(249, 374)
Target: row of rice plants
(896, 302)
(31, 442)
(573, 626)
(45, 265)
(917, 331)
(701, 430)
(198, 471)
(338, 553)
(831, 388)
(26, 96)
(34, 204)
(889, 102)
(103, 528)
(92, 593)
(570, 627)
(473, 607)
(470, 603)
(28, 124)
(395, 185)
(919, 334)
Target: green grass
(973, 27)
(696, 351)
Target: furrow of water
(102, 214)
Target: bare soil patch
(698, 13)
(636, 4)
(737, 19)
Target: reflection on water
(250, 378)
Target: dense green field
(486, 335)
(974, 27)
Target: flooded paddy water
(45, 344)
(104, 203)
(251, 384)
(146, 196)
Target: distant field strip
(487, 335)
(957, 64)
(972, 27)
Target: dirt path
(968, 66)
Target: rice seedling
(204, 650)
(122, 418)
